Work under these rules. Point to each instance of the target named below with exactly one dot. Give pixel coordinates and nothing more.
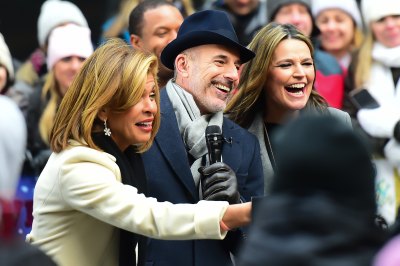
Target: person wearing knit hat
(53, 13)
(330, 76)
(373, 11)
(376, 68)
(348, 6)
(321, 209)
(304, 6)
(67, 41)
(341, 28)
(247, 16)
(68, 47)
(6, 67)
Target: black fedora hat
(204, 27)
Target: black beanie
(321, 154)
(274, 5)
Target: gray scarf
(192, 124)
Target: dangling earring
(107, 131)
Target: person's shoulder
(79, 152)
(340, 115)
(337, 112)
(326, 63)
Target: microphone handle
(215, 155)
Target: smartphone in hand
(362, 99)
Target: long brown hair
(114, 76)
(250, 98)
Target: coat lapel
(231, 152)
(171, 145)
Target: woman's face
(387, 31)
(3, 77)
(296, 14)
(134, 126)
(290, 79)
(65, 71)
(337, 30)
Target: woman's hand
(236, 215)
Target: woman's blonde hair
(113, 77)
(358, 39)
(250, 96)
(363, 61)
(51, 89)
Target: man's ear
(136, 42)
(182, 65)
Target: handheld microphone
(214, 140)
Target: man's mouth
(223, 88)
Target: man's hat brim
(197, 38)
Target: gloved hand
(379, 122)
(218, 182)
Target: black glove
(218, 182)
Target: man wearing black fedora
(205, 57)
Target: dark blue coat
(169, 179)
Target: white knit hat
(373, 10)
(54, 13)
(68, 40)
(348, 6)
(5, 57)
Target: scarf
(132, 173)
(380, 84)
(257, 128)
(192, 125)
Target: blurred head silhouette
(321, 208)
(319, 154)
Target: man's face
(212, 74)
(242, 7)
(160, 27)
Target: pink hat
(68, 40)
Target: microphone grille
(214, 129)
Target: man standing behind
(152, 25)
(246, 16)
(206, 57)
